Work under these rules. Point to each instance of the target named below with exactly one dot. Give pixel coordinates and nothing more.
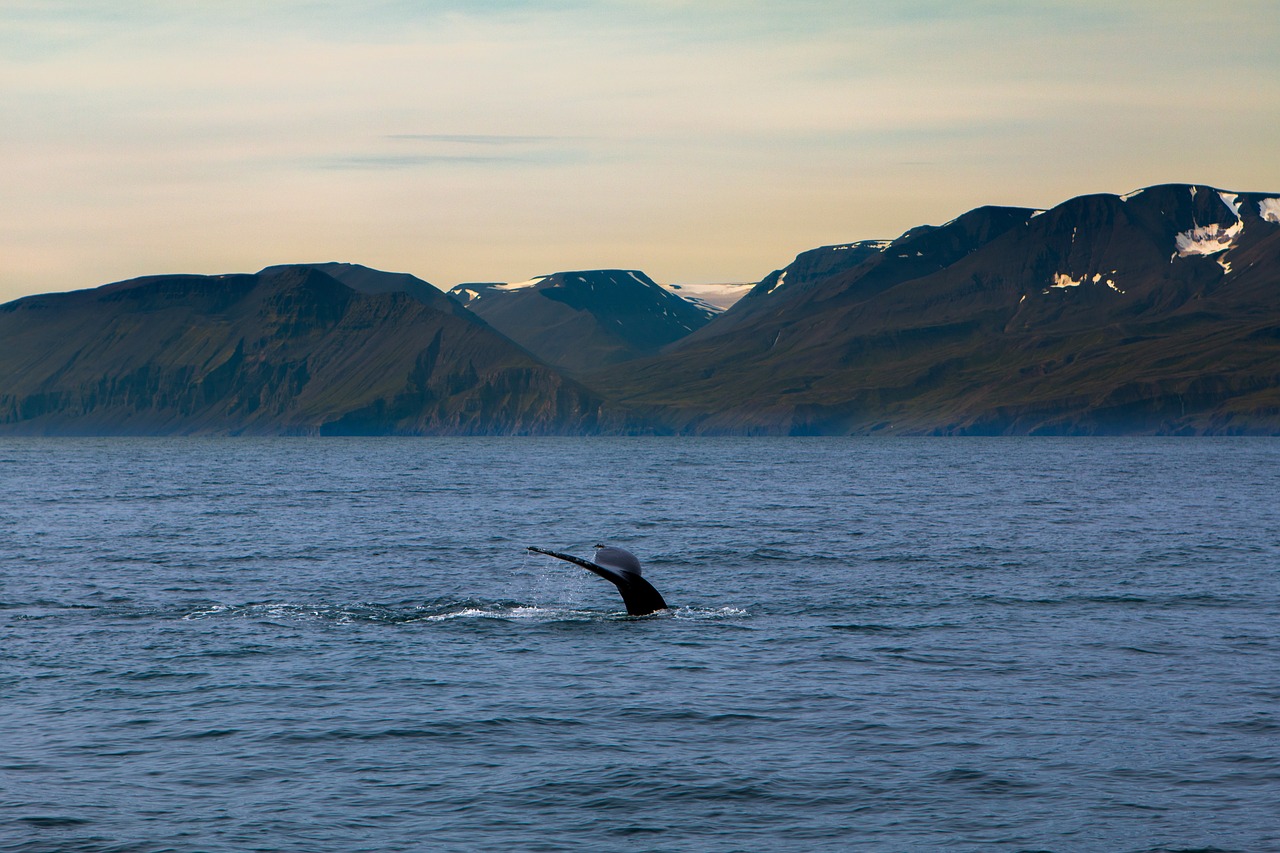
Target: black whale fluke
(622, 569)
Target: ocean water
(342, 645)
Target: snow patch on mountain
(521, 285)
(777, 283)
(1208, 239)
(1230, 200)
(1211, 239)
(1064, 280)
(1269, 210)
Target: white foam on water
(698, 613)
(521, 612)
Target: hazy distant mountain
(1158, 311)
(715, 298)
(288, 350)
(585, 319)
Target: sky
(706, 141)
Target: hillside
(1158, 311)
(289, 350)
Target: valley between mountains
(1155, 312)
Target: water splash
(344, 614)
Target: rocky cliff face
(289, 350)
(582, 320)
(1152, 312)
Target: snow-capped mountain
(1157, 310)
(584, 319)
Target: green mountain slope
(290, 350)
(1155, 312)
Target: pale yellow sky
(698, 141)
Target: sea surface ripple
(953, 644)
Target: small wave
(983, 782)
(49, 822)
(1118, 600)
(893, 630)
(1162, 649)
(1256, 724)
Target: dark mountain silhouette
(291, 350)
(1153, 312)
(582, 320)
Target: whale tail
(622, 569)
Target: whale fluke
(622, 569)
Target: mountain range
(1152, 312)
(1158, 311)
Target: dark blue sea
(884, 645)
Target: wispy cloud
(475, 138)
(450, 150)
(426, 161)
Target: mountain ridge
(289, 350)
(1156, 311)
(582, 319)
(981, 336)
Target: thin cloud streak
(475, 138)
(420, 161)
